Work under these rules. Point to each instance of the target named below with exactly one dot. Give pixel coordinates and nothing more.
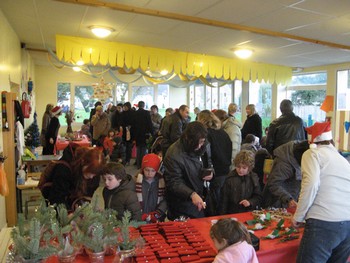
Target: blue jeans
(325, 241)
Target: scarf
(161, 188)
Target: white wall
(15, 66)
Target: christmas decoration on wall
(32, 134)
(30, 86)
(102, 90)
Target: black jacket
(123, 198)
(142, 126)
(288, 127)
(238, 188)
(172, 129)
(252, 125)
(182, 177)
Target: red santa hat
(151, 160)
(56, 110)
(320, 131)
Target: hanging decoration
(121, 55)
(327, 104)
(347, 126)
(102, 90)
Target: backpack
(45, 182)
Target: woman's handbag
(210, 200)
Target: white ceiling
(36, 22)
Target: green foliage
(29, 246)
(308, 97)
(125, 241)
(32, 134)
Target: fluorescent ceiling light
(243, 53)
(101, 31)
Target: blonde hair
(209, 119)
(251, 107)
(232, 108)
(245, 157)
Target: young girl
(108, 143)
(232, 240)
(150, 188)
(119, 191)
(241, 191)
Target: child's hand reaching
(245, 203)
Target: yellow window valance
(155, 59)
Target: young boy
(119, 191)
(150, 188)
(241, 191)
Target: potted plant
(31, 242)
(97, 228)
(127, 242)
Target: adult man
(142, 131)
(183, 166)
(173, 127)
(288, 127)
(324, 200)
(101, 123)
(283, 184)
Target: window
(122, 93)
(260, 94)
(144, 93)
(83, 102)
(225, 96)
(163, 98)
(307, 93)
(237, 98)
(343, 90)
(63, 99)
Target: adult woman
(232, 127)
(77, 180)
(127, 117)
(183, 180)
(253, 123)
(44, 126)
(52, 131)
(220, 150)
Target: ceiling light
(243, 53)
(101, 31)
(80, 63)
(76, 69)
(164, 72)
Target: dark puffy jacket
(252, 125)
(123, 198)
(182, 178)
(172, 129)
(237, 188)
(288, 127)
(283, 183)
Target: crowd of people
(212, 166)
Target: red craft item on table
(190, 258)
(170, 260)
(207, 253)
(165, 254)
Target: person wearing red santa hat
(150, 187)
(52, 130)
(324, 200)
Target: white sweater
(325, 186)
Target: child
(118, 153)
(119, 191)
(150, 188)
(85, 128)
(241, 191)
(108, 143)
(251, 142)
(232, 240)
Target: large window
(260, 94)
(144, 93)
(307, 92)
(343, 90)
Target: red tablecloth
(271, 251)
(61, 145)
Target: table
(31, 182)
(41, 160)
(62, 144)
(271, 251)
